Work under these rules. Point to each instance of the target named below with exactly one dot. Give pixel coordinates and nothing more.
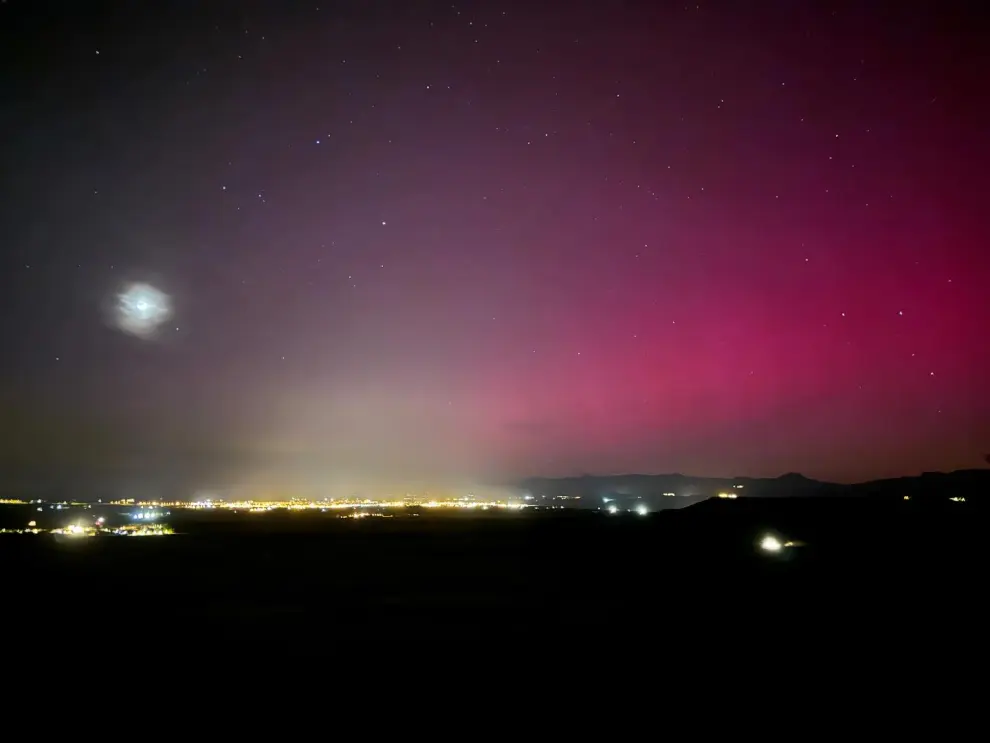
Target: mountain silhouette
(665, 491)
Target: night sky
(251, 242)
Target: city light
(261, 506)
(96, 529)
(642, 510)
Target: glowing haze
(141, 309)
(422, 243)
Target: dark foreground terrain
(292, 583)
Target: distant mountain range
(676, 490)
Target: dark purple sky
(420, 240)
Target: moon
(141, 309)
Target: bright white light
(613, 508)
(141, 309)
(770, 543)
(642, 510)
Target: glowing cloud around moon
(141, 309)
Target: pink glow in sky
(502, 240)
